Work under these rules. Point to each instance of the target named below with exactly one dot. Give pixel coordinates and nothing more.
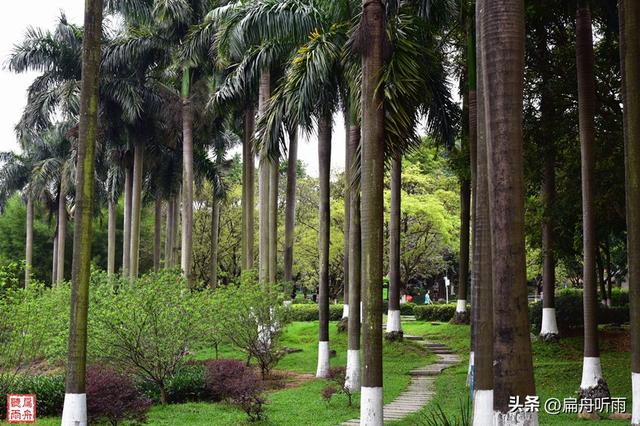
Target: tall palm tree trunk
(473, 132)
(482, 260)
(502, 49)
(187, 177)
(347, 218)
(324, 169)
(28, 251)
(592, 384)
(463, 274)
(136, 207)
(393, 314)
(62, 233)
(372, 181)
(274, 178)
(126, 231)
(111, 239)
(157, 234)
(630, 59)
(290, 209)
(549, 329)
(215, 232)
(177, 219)
(54, 260)
(263, 186)
(168, 237)
(74, 412)
(353, 379)
(248, 178)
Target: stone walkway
(421, 388)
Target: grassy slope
(301, 405)
(557, 366)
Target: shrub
(309, 312)
(327, 393)
(49, 391)
(113, 397)
(231, 380)
(619, 297)
(147, 328)
(225, 378)
(23, 330)
(188, 384)
(438, 312)
(407, 308)
(569, 311)
(338, 375)
(251, 317)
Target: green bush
(407, 308)
(147, 328)
(619, 297)
(251, 316)
(439, 312)
(570, 314)
(49, 391)
(306, 312)
(186, 385)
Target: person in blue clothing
(427, 298)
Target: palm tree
(14, 176)
(593, 384)
(54, 167)
(372, 186)
(324, 167)
(248, 189)
(393, 315)
(482, 289)
(290, 209)
(503, 74)
(75, 404)
(347, 214)
(264, 181)
(353, 372)
(630, 65)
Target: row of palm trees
(178, 63)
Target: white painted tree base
(323, 360)
(635, 386)
(371, 412)
(461, 306)
(345, 311)
(549, 323)
(470, 369)
(393, 321)
(74, 411)
(519, 418)
(352, 374)
(591, 372)
(482, 407)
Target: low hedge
(570, 314)
(49, 391)
(435, 312)
(307, 312)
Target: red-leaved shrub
(113, 397)
(232, 380)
